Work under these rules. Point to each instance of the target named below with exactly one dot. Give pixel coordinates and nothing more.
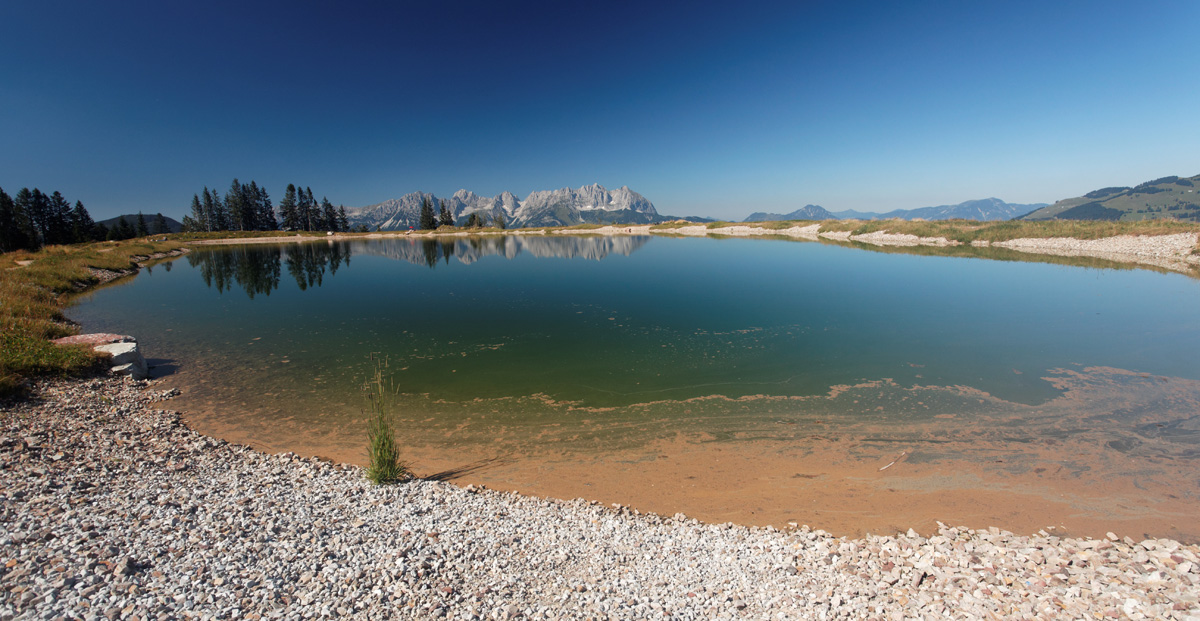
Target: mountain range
(1166, 197)
(564, 207)
(807, 212)
(981, 209)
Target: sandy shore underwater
(111, 507)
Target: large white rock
(126, 359)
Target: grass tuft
(383, 453)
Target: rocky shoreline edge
(111, 508)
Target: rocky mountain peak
(561, 207)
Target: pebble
(97, 520)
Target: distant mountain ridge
(1166, 197)
(563, 207)
(807, 212)
(984, 209)
(981, 209)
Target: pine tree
(141, 230)
(343, 220)
(218, 212)
(445, 218)
(498, 221)
(58, 220)
(427, 221)
(199, 220)
(15, 227)
(328, 215)
(35, 207)
(289, 218)
(83, 228)
(211, 221)
(307, 209)
(235, 203)
(160, 225)
(264, 218)
(123, 229)
(310, 205)
(8, 225)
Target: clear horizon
(705, 109)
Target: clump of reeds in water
(383, 454)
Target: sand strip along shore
(111, 507)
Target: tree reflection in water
(257, 269)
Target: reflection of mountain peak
(428, 250)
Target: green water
(510, 324)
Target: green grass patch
(383, 452)
(34, 289)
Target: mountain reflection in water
(429, 250)
(258, 269)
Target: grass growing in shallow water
(383, 454)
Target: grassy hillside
(1175, 198)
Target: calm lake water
(616, 321)
(592, 343)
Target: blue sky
(706, 109)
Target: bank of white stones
(111, 508)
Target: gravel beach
(112, 508)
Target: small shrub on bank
(383, 453)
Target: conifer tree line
(32, 219)
(428, 221)
(247, 207)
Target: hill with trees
(156, 224)
(1176, 198)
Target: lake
(761, 381)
